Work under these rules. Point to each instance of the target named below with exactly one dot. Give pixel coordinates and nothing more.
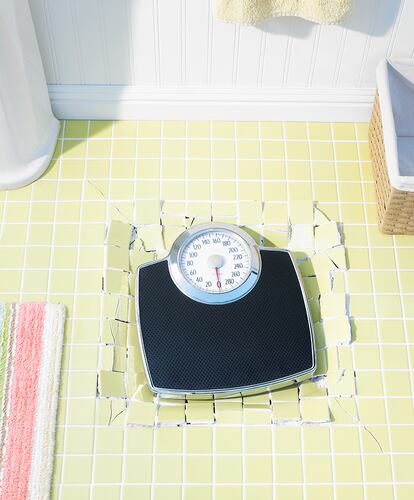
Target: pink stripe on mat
(22, 412)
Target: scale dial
(215, 263)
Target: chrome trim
(230, 392)
(207, 297)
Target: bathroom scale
(221, 316)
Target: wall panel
(135, 58)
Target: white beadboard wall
(173, 59)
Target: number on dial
(216, 261)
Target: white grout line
(26, 245)
(135, 215)
(101, 319)
(186, 170)
(154, 442)
(349, 319)
(176, 454)
(262, 190)
(3, 215)
(214, 455)
(220, 139)
(405, 316)
(350, 483)
(302, 460)
(210, 129)
(377, 329)
(183, 459)
(161, 192)
(243, 455)
(286, 172)
(360, 426)
(63, 129)
(236, 163)
(311, 163)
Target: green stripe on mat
(4, 337)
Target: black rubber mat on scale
(189, 346)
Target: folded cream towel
(253, 11)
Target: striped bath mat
(31, 336)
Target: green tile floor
(52, 247)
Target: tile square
(229, 469)
(168, 469)
(288, 469)
(258, 440)
(198, 469)
(108, 469)
(258, 468)
(169, 440)
(78, 470)
(348, 469)
(318, 469)
(138, 468)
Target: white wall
(168, 50)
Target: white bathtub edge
(35, 168)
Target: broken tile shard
(320, 362)
(340, 383)
(227, 412)
(138, 257)
(114, 332)
(337, 330)
(345, 357)
(333, 305)
(319, 335)
(250, 213)
(117, 257)
(171, 414)
(119, 234)
(285, 411)
(338, 257)
(198, 412)
(171, 233)
(120, 359)
(111, 384)
(310, 389)
(301, 237)
(301, 212)
(116, 306)
(322, 264)
(141, 413)
(289, 394)
(151, 237)
(343, 410)
(116, 281)
(107, 357)
(315, 410)
(311, 287)
(327, 236)
(320, 218)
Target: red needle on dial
(218, 279)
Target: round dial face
(216, 261)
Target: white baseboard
(148, 103)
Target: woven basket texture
(395, 207)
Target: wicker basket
(395, 208)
